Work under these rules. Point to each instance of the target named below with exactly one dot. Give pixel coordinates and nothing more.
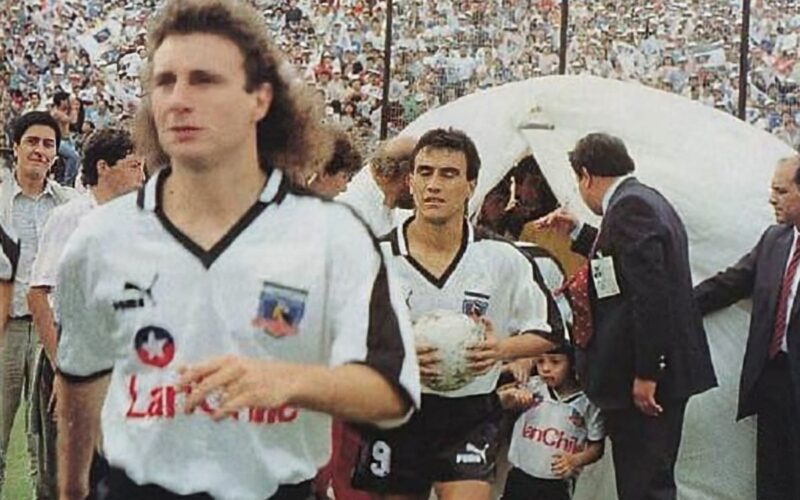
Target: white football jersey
(297, 279)
(488, 277)
(63, 221)
(552, 426)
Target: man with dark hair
(230, 315)
(339, 170)
(641, 347)
(65, 111)
(444, 263)
(26, 201)
(111, 169)
(770, 380)
(21, 125)
(602, 155)
(386, 189)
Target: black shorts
(449, 439)
(521, 486)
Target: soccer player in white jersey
(443, 262)
(274, 307)
(111, 168)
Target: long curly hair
(289, 136)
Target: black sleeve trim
(140, 195)
(407, 399)
(534, 252)
(11, 249)
(81, 379)
(554, 319)
(385, 351)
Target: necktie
(782, 315)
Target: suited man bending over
(647, 352)
(770, 381)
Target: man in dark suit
(647, 352)
(770, 380)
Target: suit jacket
(651, 329)
(759, 275)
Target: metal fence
(378, 65)
(435, 52)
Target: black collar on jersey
(150, 198)
(568, 399)
(400, 246)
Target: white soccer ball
(452, 333)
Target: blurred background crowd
(81, 58)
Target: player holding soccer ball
(444, 264)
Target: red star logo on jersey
(154, 346)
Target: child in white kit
(558, 433)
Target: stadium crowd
(93, 50)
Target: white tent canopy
(714, 168)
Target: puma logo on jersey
(473, 455)
(144, 295)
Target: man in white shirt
(218, 255)
(110, 169)
(26, 200)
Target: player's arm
(534, 313)
(78, 418)
(731, 285)
(85, 357)
(525, 345)
(352, 392)
(567, 464)
(593, 452)
(6, 293)
(43, 276)
(43, 320)
(514, 397)
(484, 355)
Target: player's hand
(428, 361)
(486, 353)
(644, 397)
(520, 369)
(237, 383)
(564, 465)
(559, 219)
(514, 397)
